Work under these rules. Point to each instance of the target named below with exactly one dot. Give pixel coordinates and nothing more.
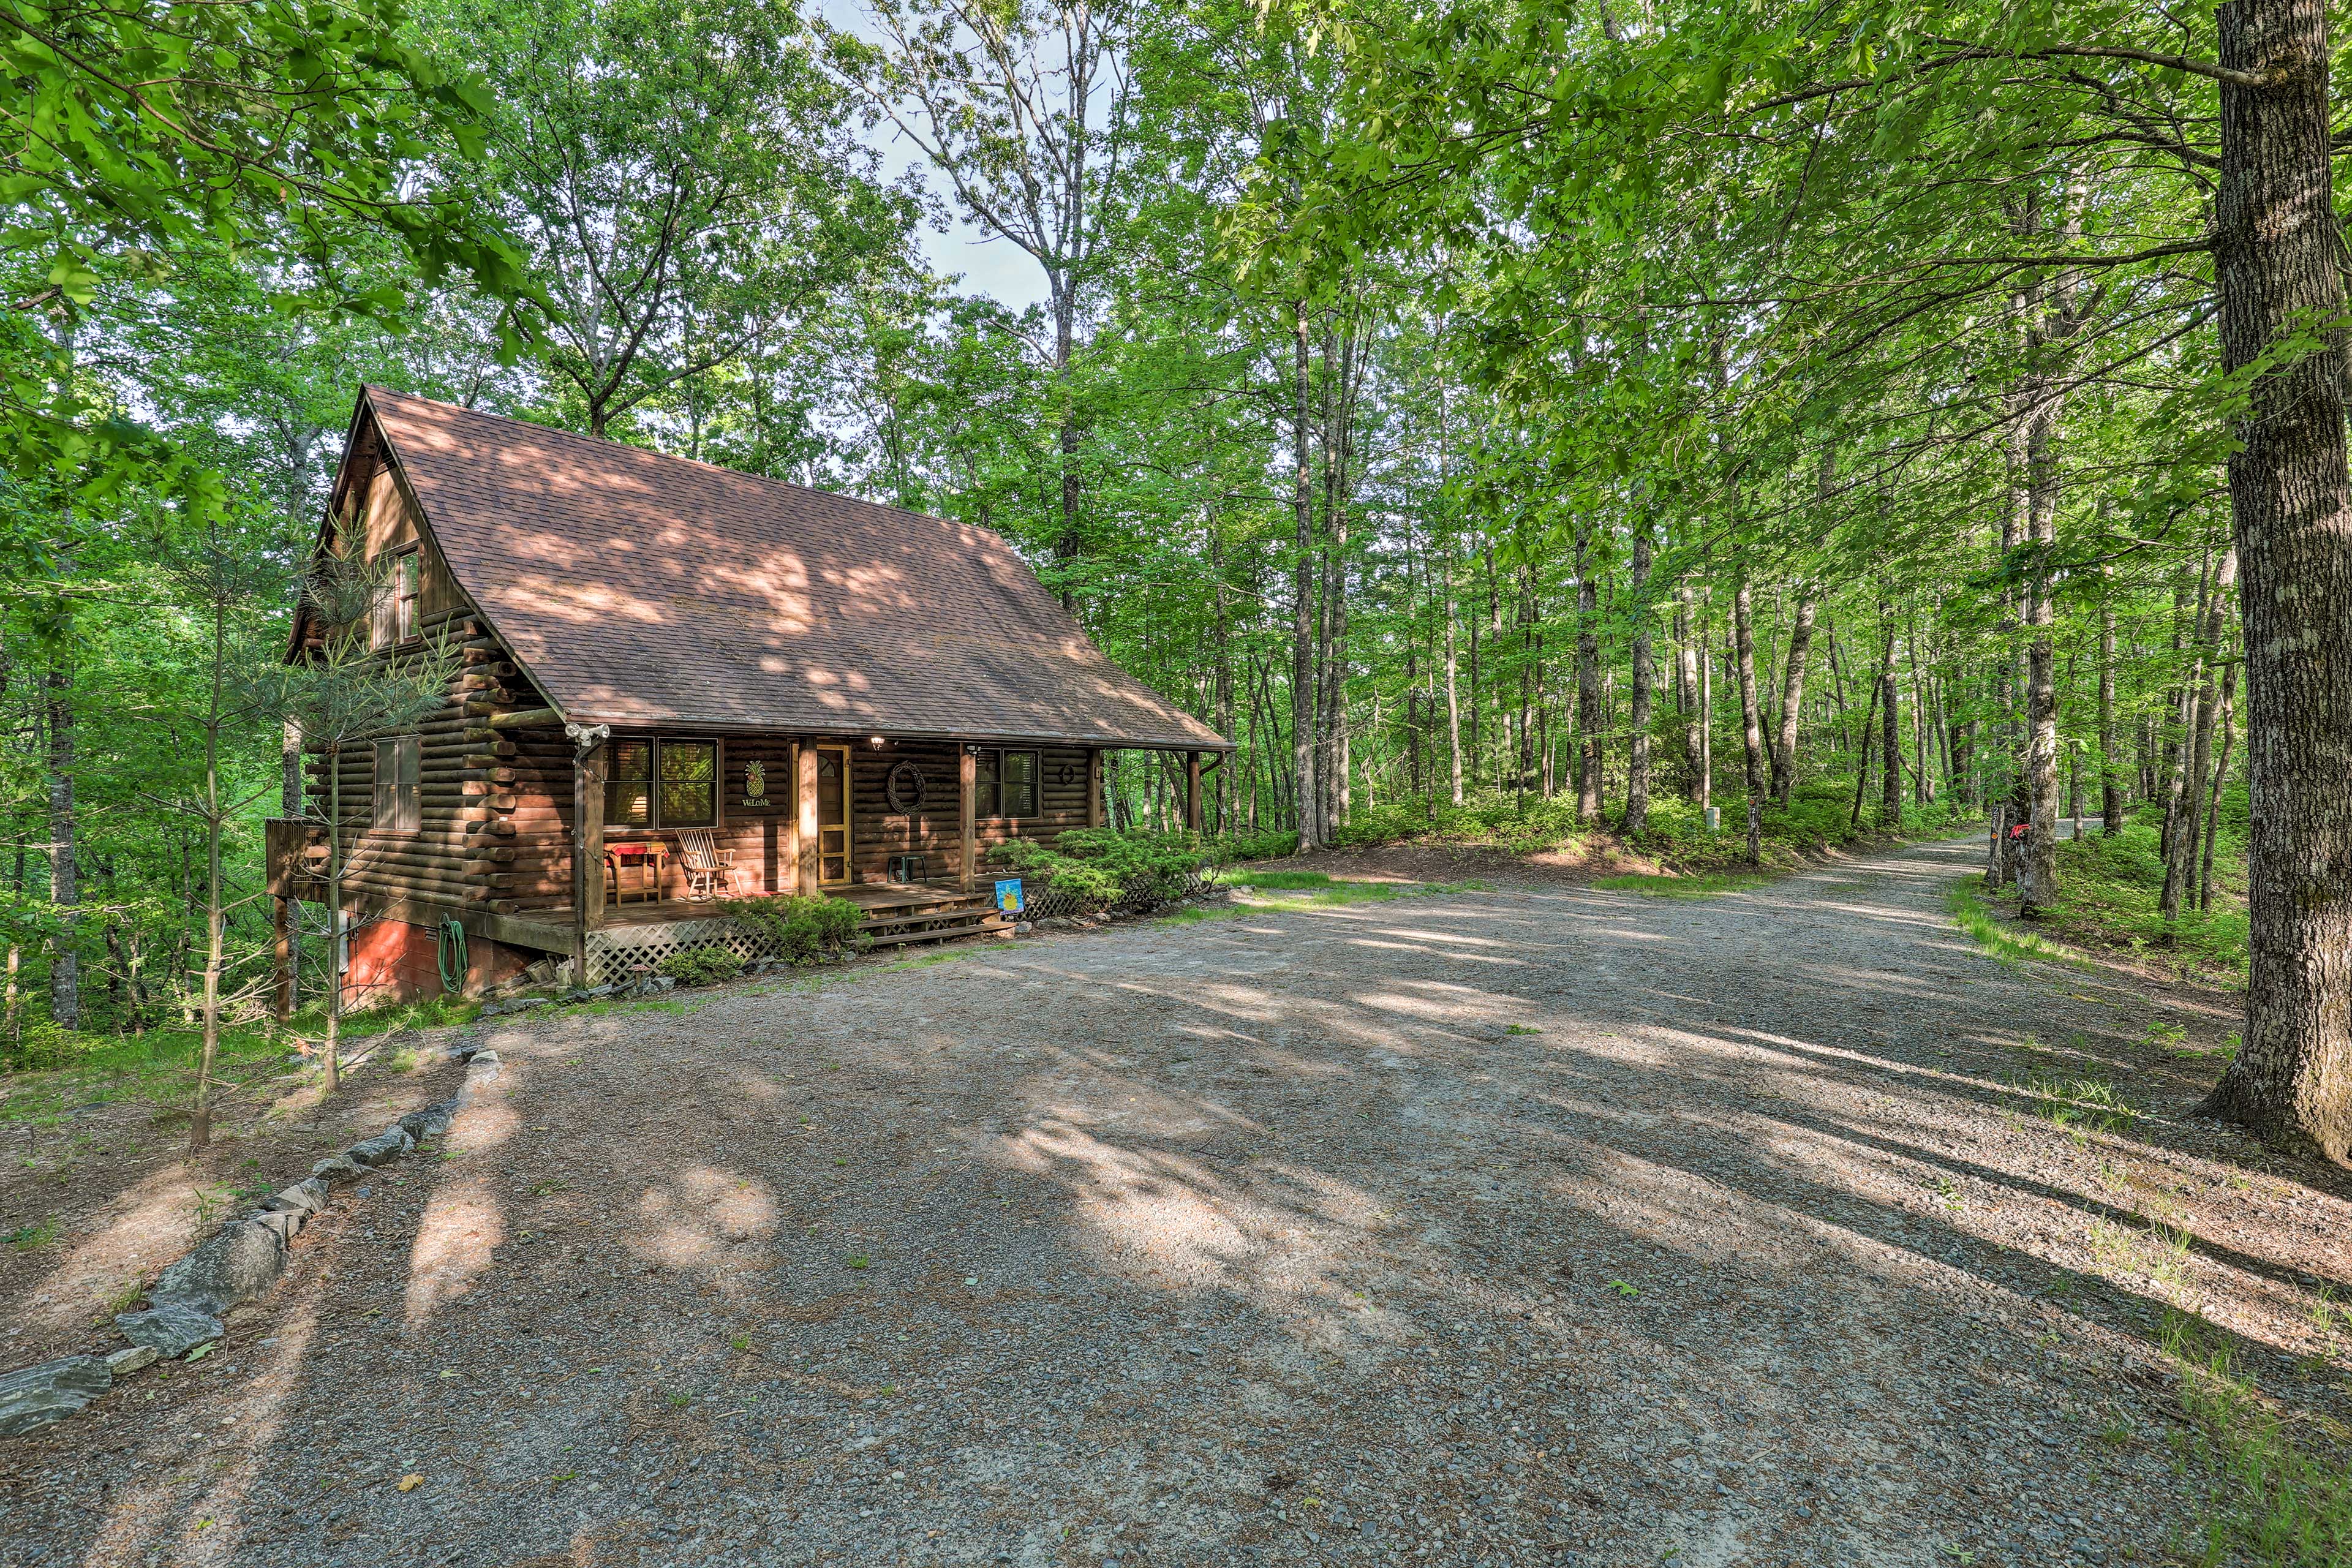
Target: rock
(305, 1198)
(482, 1071)
(240, 1263)
(335, 1168)
(1022, 928)
(431, 1121)
(285, 1223)
(137, 1358)
(35, 1396)
(383, 1148)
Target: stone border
(236, 1264)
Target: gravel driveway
(1533, 1226)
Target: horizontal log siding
(877, 832)
(482, 805)
(760, 835)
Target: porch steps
(947, 917)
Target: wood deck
(876, 898)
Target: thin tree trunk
(2276, 255)
(65, 879)
(1890, 741)
(1751, 724)
(1302, 659)
(2180, 864)
(1793, 697)
(1637, 767)
(1587, 684)
(2111, 805)
(1686, 690)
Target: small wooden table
(649, 859)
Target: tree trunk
(1452, 692)
(1637, 767)
(2111, 805)
(1302, 655)
(2275, 254)
(2181, 861)
(1588, 684)
(1686, 692)
(65, 879)
(2220, 780)
(1751, 724)
(1890, 739)
(1792, 697)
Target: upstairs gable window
(398, 602)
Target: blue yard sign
(1008, 896)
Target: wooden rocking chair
(706, 866)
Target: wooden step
(989, 923)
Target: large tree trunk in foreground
(2111, 804)
(2275, 253)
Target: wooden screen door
(831, 815)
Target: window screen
(1004, 784)
(689, 783)
(629, 785)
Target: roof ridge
(601, 443)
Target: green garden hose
(449, 952)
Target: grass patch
(2111, 885)
(2091, 1104)
(2274, 1501)
(2005, 942)
(1276, 880)
(1697, 885)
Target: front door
(832, 816)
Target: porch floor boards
(876, 898)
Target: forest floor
(1539, 1224)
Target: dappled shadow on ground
(1486, 1228)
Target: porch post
(1094, 787)
(590, 762)
(967, 774)
(1192, 792)
(787, 877)
(804, 799)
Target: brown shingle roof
(643, 589)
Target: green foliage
(2274, 1501)
(2112, 885)
(798, 927)
(1267, 844)
(701, 966)
(1099, 864)
(2005, 941)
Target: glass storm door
(831, 815)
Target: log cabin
(661, 662)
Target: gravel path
(1537, 1226)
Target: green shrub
(701, 966)
(798, 927)
(1265, 844)
(1097, 864)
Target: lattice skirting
(1043, 901)
(617, 952)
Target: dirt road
(1533, 1226)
